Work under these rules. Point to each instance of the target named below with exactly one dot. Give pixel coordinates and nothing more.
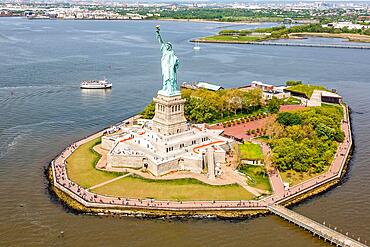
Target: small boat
(196, 47)
(95, 84)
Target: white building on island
(167, 143)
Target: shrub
(293, 83)
(339, 136)
(289, 119)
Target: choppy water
(42, 110)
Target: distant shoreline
(160, 19)
(282, 44)
(349, 36)
(207, 21)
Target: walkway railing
(315, 228)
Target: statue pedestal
(169, 115)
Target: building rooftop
(329, 94)
(209, 86)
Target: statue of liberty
(169, 64)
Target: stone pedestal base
(169, 116)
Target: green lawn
(234, 38)
(306, 89)
(250, 151)
(257, 176)
(177, 189)
(81, 166)
(81, 169)
(293, 178)
(292, 101)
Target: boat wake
(10, 138)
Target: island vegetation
(305, 90)
(204, 106)
(306, 140)
(250, 151)
(256, 176)
(302, 141)
(175, 189)
(81, 166)
(285, 32)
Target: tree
(339, 136)
(234, 100)
(293, 83)
(273, 105)
(149, 111)
(289, 119)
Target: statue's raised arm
(159, 37)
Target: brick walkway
(239, 130)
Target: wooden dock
(315, 228)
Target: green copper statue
(169, 64)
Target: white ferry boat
(95, 84)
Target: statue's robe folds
(169, 64)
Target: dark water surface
(42, 110)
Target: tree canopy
(307, 139)
(204, 106)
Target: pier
(363, 47)
(315, 228)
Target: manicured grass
(294, 178)
(257, 176)
(335, 106)
(292, 101)
(250, 151)
(306, 89)
(81, 166)
(234, 38)
(177, 189)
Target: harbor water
(43, 110)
